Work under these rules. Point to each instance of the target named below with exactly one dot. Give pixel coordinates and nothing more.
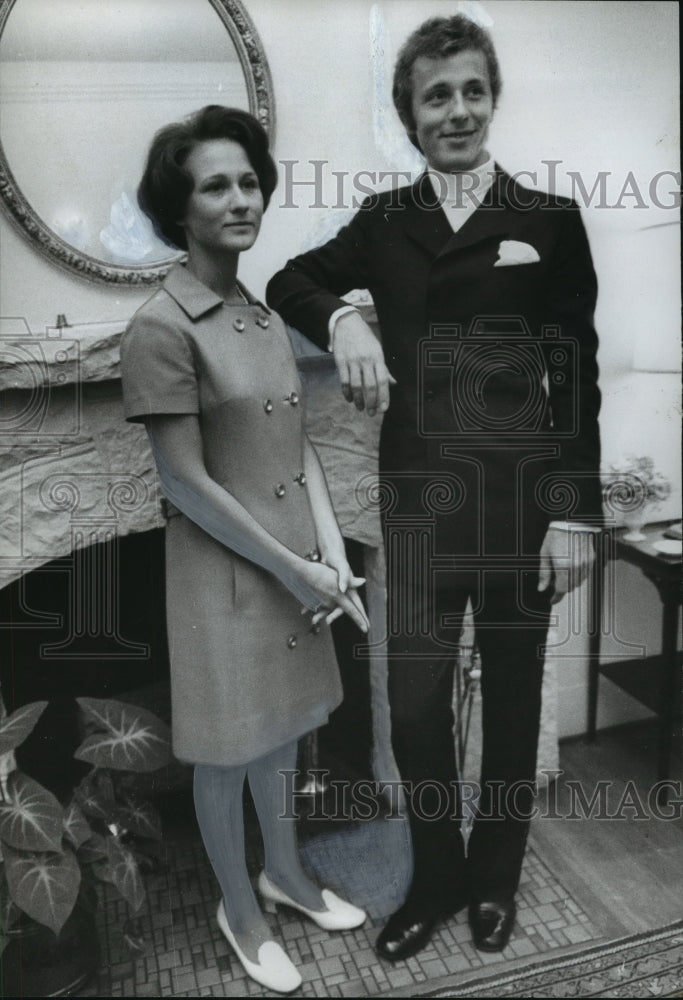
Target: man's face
(452, 107)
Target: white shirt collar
(464, 189)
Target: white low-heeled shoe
(339, 915)
(273, 970)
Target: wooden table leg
(667, 690)
(594, 635)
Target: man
(489, 455)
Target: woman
(251, 535)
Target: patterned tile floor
(185, 955)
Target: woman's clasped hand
(334, 581)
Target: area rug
(643, 965)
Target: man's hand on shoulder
(365, 379)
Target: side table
(634, 674)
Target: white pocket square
(514, 252)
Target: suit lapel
(426, 223)
(423, 219)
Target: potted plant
(54, 854)
(631, 490)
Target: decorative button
(291, 641)
(300, 479)
(268, 406)
(280, 490)
(313, 556)
(292, 399)
(429, 395)
(238, 324)
(263, 321)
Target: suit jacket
(496, 397)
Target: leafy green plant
(50, 851)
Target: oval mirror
(84, 84)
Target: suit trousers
(511, 623)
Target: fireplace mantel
(69, 460)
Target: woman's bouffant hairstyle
(439, 38)
(166, 184)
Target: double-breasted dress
(248, 672)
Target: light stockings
(218, 804)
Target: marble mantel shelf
(61, 356)
(86, 352)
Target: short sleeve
(157, 368)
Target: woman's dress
(249, 672)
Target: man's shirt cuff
(574, 526)
(337, 314)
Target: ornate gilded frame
(261, 104)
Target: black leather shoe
(410, 928)
(491, 924)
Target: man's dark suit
(491, 433)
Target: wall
(591, 85)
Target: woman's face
(225, 208)
(452, 108)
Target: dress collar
(195, 298)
